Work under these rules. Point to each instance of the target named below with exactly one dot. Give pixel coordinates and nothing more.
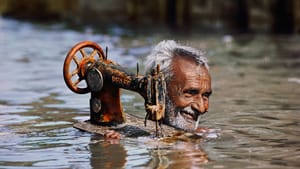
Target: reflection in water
(147, 152)
(106, 155)
(255, 103)
(180, 154)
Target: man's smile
(188, 116)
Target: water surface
(255, 102)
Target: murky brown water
(255, 103)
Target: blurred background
(271, 16)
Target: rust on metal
(80, 64)
(104, 80)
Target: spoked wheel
(78, 59)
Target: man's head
(188, 82)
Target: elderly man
(188, 83)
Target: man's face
(188, 93)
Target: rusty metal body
(104, 79)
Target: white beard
(174, 118)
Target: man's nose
(200, 106)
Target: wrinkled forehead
(185, 65)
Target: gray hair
(164, 52)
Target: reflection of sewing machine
(87, 62)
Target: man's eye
(207, 94)
(192, 92)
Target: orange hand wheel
(79, 58)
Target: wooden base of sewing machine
(133, 127)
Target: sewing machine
(87, 69)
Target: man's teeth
(187, 115)
(197, 122)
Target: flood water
(255, 103)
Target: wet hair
(166, 50)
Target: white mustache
(191, 111)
